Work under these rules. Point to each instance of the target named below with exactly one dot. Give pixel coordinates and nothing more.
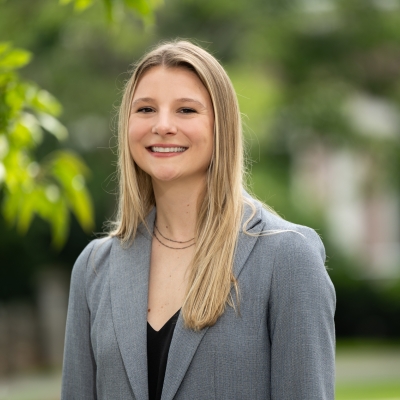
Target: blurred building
(32, 334)
(349, 188)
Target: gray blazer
(280, 347)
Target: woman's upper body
(279, 345)
(256, 303)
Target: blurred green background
(318, 83)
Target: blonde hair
(219, 209)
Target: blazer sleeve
(301, 320)
(79, 366)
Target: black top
(158, 343)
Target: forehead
(169, 81)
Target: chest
(231, 351)
(168, 277)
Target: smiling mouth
(156, 149)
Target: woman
(198, 292)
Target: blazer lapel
(184, 341)
(246, 242)
(183, 347)
(129, 284)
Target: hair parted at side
(219, 210)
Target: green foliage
(55, 185)
(80, 5)
(143, 8)
(48, 188)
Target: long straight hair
(220, 209)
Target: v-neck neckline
(174, 317)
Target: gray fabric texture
(279, 346)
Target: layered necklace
(171, 240)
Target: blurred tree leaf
(49, 188)
(52, 187)
(42, 100)
(13, 58)
(80, 5)
(143, 8)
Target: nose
(164, 124)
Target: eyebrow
(189, 100)
(143, 100)
(181, 100)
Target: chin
(165, 178)
(165, 175)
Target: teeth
(167, 149)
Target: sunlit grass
(368, 370)
(366, 391)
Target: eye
(145, 110)
(186, 110)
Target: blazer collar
(184, 341)
(129, 283)
(129, 286)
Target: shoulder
(294, 237)
(286, 247)
(297, 257)
(299, 260)
(92, 259)
(283, 237)
(91, 271)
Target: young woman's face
(171, 125)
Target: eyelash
(187, 110)
(144, 110)
(184, 110)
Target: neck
(176, 204)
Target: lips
(158, 149)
